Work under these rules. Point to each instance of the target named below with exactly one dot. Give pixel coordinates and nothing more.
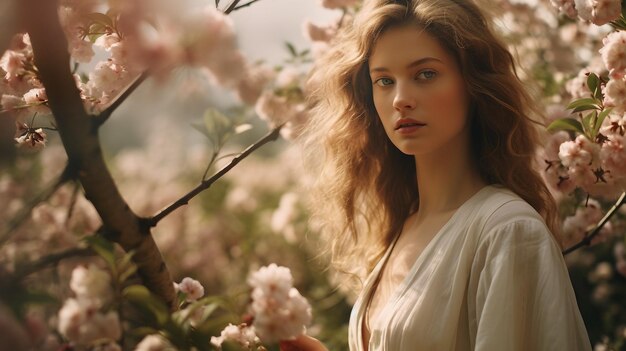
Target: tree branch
(104, 115)
(245, 5)
(205, 184)
(81, 142)
(24, 213)
(596, 230)
(231, 7)
(50, 260)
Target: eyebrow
(410, 65)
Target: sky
(264, 26)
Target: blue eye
(426, 75)
(383, 82)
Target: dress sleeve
(524, 297)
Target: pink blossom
(80, 321)
(577, 153)
(36, 96)
(567, 7)
(316, 32)
(30, 138)
(614, 53)
(10, 102)
(12, 63)
(577, 86)
(254, 80)
(242, 334)
(192, 288)
(154, 342)
(613, 155)
(279, 311)
(605, 11)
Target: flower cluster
(242, 334)
(576, 227)
(278, 309)
(598, 12)
(83, 320)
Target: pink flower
(613, 155)
(614, 52)
(605, 11)
(30, 138)
(36, 96)
(577, 153)
(254, 80)
(242, 334)
(615, 94)
(12, 63)
(192, 288)
(565, 6)
(316, 32)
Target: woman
(429, 184)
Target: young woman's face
(418, 91)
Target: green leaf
(567, 124)
(218, 125)
(581, 102)
(585, 108)
(103, 248)
(100, 18)
(292, 49)
(588, 122)
(600, 120)
(593, 82)
(141, 297)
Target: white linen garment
(492, 279)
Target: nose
(405, 99)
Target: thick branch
(596, 230)
(25, 212)
(82, 145)
(205, 184)
(104, 115)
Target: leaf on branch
(142, 298)
(583, 105)
(588, 121)
(593, 83)
(601, 117)
(567, 124)
(103, 248)
(218, 126)
(292, 49)
(100, 18)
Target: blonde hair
(358, 198)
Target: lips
(407, 123)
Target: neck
(446, 178)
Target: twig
(70, 210)
(25, 212)
(208, 167)
(205, 184)
(596, 230)
(231, 7)
(104, 115)
(51, 260)
(245, 5)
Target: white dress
(492, 279)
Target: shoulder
(504, 213)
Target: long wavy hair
(365, 186)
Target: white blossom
(91, 282)
(243, 335)
(154, 342)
